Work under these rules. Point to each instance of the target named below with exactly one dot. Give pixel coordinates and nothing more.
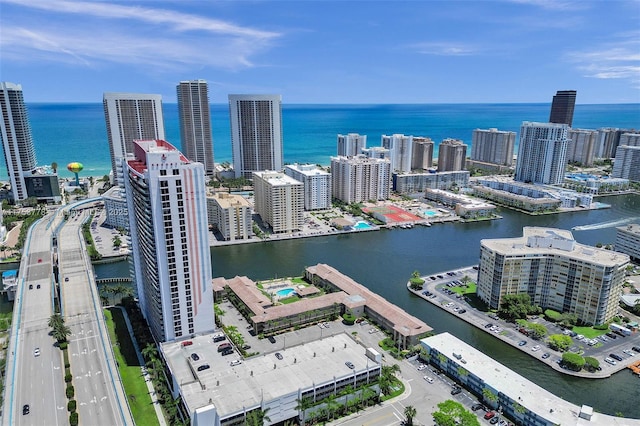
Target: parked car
(546, 355)
(462, 311)
(350, 365)
(25, 409)
(611, 335)
(235, 362)
(428, 379)
(489, 415)
(203, 367)
(478, 406)
(610, 361)
(616, 357)
(271, 339)
(522, 342)
(636, 348)
(36, 352)
(535, 348)
(422, 367)
(194, 356)
(279, 355)
(456, 390)
(494, 420)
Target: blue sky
(325, 51)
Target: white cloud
(444, 49)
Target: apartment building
(357, 179)
(279, 200)
(317, 185)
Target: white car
(422, 367)
(535, 348)
(36, 352)
(428, 379)
(629, 352)
(610, 361)
(235, 362)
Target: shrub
(70, 391)
(348, 319)
(71, 406)
(63, 345)
(68, 377)
(601, 327)
(553, 316)
(73, 419)
(573, 361)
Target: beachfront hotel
(400, 150)
(195, 123)
(129, 117)
(317, 185)
(493, 146)
(17, 140)
(351, 144)
(422, 153)
(171, 259)
(582, 146)
(555, 271)
(452, 154)
(357, 179)
(256, 133)
(230, 214)
(279, 200)
(542, 153)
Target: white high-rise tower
(542, 153)
(195, 123)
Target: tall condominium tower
(279, 200)
(17, 141)
(493, 146)
(582, 146)
(452, 155)
(166, 199)
(562, 107)
(627, 162)
(351, 144)
(422, 155)
(256, 133)
(542, 153)
(317, 185)
(130, 116)
(360, 178)
(608, 141)
(195, 123)
(401, 149)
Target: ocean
(65, 133)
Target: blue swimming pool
(285, 292)
(362, 225)
(430, 213)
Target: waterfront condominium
(627, 163)
(279, 200)
(564, 101)
(230, 214)
(422, 153)
(542, 153)
(628, 240)
(317, 185)
(582, 146)
(360, 178)
(130, 116)
(256, 133)
(493, 146)
(17, 140)
(351, 144)
(401, 151)
(195, 123)
(555, 271)
(452, 155)
(171, 260)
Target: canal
(384, 260)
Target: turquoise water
(76, 132)
(285, 292)
(430, 213)
(362, 225)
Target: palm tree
(61, 332)
(55, 320)
(409, 413)
(150, 351)
(257, 417)
(303, 405)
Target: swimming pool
(430, 213)
(362, 225)
(285, 292)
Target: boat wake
(602, 225)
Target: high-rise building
(452, 155)
(129, 117)
(230, 214)
(493, 146)
(542, 153)
(317, 185)
(195, 123)
(564, 102)
(627, 163)
(17, 140)
(377, 152)
(360, 178)
(351, 144)
(422, 153)
(256, 133)
(279, 200)
(582, 146)
(401, 149)
(171, 260)
(555, 271)
(628, 240)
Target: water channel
(384, 260)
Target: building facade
(358, 179)
(17, 140)
(627, 163)
(422, 155)
(195, 123)
(377, 152)
(493, 146)
(256, 133)
(542, 153)
(608, 141)
(562, 106)
(452, 154)
(230, 214)
(129, 117)
(279, 200)
(628, 240)
(401, 151)
(555, 271)
(171, 260)
(351, 144)
(317, 185)
(582, 146)
(412, 183)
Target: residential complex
(129, 117)
(542, 153)
(279, 200)
(357, 179)
(628, 240)
(195, 123)
(317, 185)
(555, 271)
(412, 183)
(17, 140)
(582, 146)
(351, 144)
(466, 207)
(230, 214)
(377, 152)
(627, 163)
(401, 151)
(422, 153)
(171, 258)
(256, 133)
(493, 146)
(562, 106)
(452, 154)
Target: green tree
(559, 342)
(591, 364)
(257, 417)
(303, 405)
(536, 331)
(55, 320)
(452, 413)
(61, 332)
(409, 412)
(573, 361)
(516, 306)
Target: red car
(489, 415)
